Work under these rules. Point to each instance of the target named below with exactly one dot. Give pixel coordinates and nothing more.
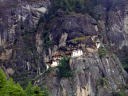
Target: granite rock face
(92, 76)
(19, 39)
(27, 40)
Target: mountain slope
(33, 32)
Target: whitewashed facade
(98, 44)
(55, 63)
(77, 53)
(42, 9)
(96, 28)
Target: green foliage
(2, 79)
(121, 93)
(123, 56)
(125, 66)
(35, 91)
(78, 39)
(102, 52)
(47, 43)
(69, 5)
(103, 82)
(64, 68)
(124, 61)
(10, 88)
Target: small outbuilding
(77, 53)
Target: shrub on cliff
(102, 52)
(35, 91)
(64, 68)
(69, 5)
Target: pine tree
(10, 88)
(2, 79)
(64, 68)
(35, 91)
(69, 5)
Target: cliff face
(19, 39)
(91, 76)
(28, 41)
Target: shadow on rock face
(8, 3)
(116, 37)
(75, 25)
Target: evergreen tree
(64, 68)
(10, 88)
(69, 5)
(35, 91)
(2, 79)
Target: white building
(98, 44)
(42, 9)
(47, 66)
(77, 53)
(54, 63)
(96, 28)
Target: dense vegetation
(64, 68)
(69, 5)
(102, 52)
(123, 55)
(9, 88)
(125, 63)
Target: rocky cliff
(19, 39)
(31, 32)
